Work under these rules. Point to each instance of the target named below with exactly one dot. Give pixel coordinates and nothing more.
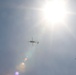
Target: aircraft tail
(37, 42)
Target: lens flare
(25, 59)
(22, 63)
(21, 67)
(16, 73)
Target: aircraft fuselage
(32, 41)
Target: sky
(56, 52)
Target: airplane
(33, 42)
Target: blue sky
(18, 24)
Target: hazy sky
(56, 52)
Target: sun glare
(54, 11)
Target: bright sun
(54, 11)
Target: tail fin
(37, 42)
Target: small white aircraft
(33, 42)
